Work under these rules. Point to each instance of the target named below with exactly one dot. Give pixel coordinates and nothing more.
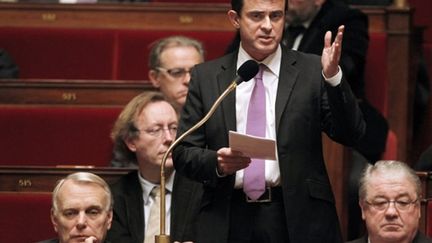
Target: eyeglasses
(401, 205)
(158, 131)
(175, 72)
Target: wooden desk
(44, 178)
(70, 92)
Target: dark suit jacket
(354, 49)
(305, 106)
(420, 238)
(128, 219)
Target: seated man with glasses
(170, 63)
(389, 198)
(142, 134)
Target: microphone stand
(162, 237)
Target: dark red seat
(377, 82)
(428, 221)
(60, 53)
(50, 136)
(25, 217)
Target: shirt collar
(147, 186)
(272, 62)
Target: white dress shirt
(148, 200)
(243, 94)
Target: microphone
(246, 71)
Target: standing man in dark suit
(390, 194)
(304, 96)
(142, 133)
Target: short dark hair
(237, 5)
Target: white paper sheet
(252, 146)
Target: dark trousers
(252, 222)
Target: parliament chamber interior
(81, 63)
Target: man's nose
(168, 136)
(391, 210)
(267, 24)
(187, 78)
(82, 221)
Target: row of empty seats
(55, 135)
(105, 54)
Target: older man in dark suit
(303, 97)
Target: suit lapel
(134, 202)
(287, 80)
(224, 79)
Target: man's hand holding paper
(252, 146)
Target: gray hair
(173, 41)
(388, 166)
(84, 178)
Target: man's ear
(153, 78)
(130, 144)
(362, 207)
(110, 217)
(234, 18)
(54, 220)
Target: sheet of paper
(252, 146)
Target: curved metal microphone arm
(162, 237)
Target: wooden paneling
(43, 179)
(70, 92)
(151, 16)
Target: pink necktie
(254, 174)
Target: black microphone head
(247, 70)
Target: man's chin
(393, 236)
(181, 100)
(168, 163)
